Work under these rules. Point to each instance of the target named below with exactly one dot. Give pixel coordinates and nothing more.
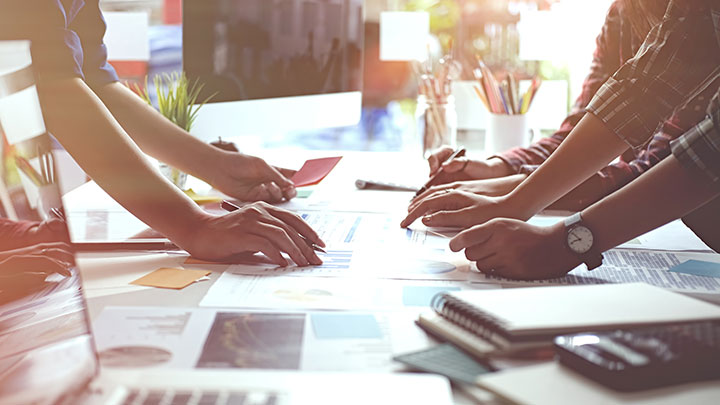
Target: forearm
(88, 131)
(156, 135)
(588, 148)
(666, 192)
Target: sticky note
(171, 278)
(304, 193)
(421, 296)
(202, 199)
(314, 170)
(698, 268)
(346, 326)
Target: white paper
(631, 266)
(370, 228)
(188, 338)
(234, 290)
(672, 236)
(112, 275)
(370, 262)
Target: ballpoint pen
(230, 207)
(458, 153)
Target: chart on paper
(632, 266)
(185, 338)
(372, 261)
(235, 291)
(369, 228)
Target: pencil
(482, 96)
(29, 171)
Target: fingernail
(290, 192)
(427, 220)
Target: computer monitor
(274, 66)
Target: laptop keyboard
(171, 397)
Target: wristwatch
(580, 241)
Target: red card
(314, 170)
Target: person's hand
(452, 208)
(257, 227)
(39, 260)
(250, 178)
(27, 233)
(514, 249)
(464, 168)
(488, 187)
(48, 231)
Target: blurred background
(551, 39)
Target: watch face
(580, 239)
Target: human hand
(453, 208)
(514, 249)
(40, 260)
(249, 178)
(488, 187)
(257, 227)
(464, 168)
(27, 233)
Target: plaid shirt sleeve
(606, 60)
(699, 149)
(676, 56)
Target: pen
(131, 245)
(230, 207)
(458, 153)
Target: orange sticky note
(314, 170)
(176, 279)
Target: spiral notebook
(489, 321)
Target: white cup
(506, 132)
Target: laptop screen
(46, 346)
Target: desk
(106, 285)
(337, 192)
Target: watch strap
(592, 260)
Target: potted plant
(176, 101)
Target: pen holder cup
(48, 198)
(506, 132)
(436, 123)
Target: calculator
(644, 358)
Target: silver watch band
(573, 219)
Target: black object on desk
(644, 358)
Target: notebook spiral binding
(470, 318)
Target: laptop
(47, 351)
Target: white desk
(106, 284)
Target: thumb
(455, 165)
(270, 173)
